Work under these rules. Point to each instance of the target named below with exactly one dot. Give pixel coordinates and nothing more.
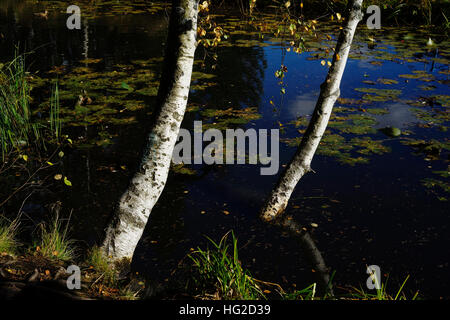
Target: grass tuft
(381, 294)
(221, 269)
(8, 235)
(16, 127)
(54, 241)
(97, 261)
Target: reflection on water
(375, 212)
(302, 106)
(399, 116)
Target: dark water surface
(373, 210)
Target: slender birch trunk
(329, 92)
(134, 208)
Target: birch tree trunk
(329, 92)
(133, 210)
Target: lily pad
(391, 131)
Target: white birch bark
(134, 208)
(329, 92)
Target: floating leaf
(125, 86)
(391, 131)
(67, 182)
(387, 81)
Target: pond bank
(214, 273)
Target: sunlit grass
(55, 111)
(97, 261)
(54, 242)
(221, 269)
(16, 127)
(381, 294)
(308, 293)
(8, 236)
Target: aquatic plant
(20, 126)
(55, 120)
(16, 126)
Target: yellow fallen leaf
(225, 212)
(67, 182)
(322, 62)
(25, 157)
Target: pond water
(376, 198)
